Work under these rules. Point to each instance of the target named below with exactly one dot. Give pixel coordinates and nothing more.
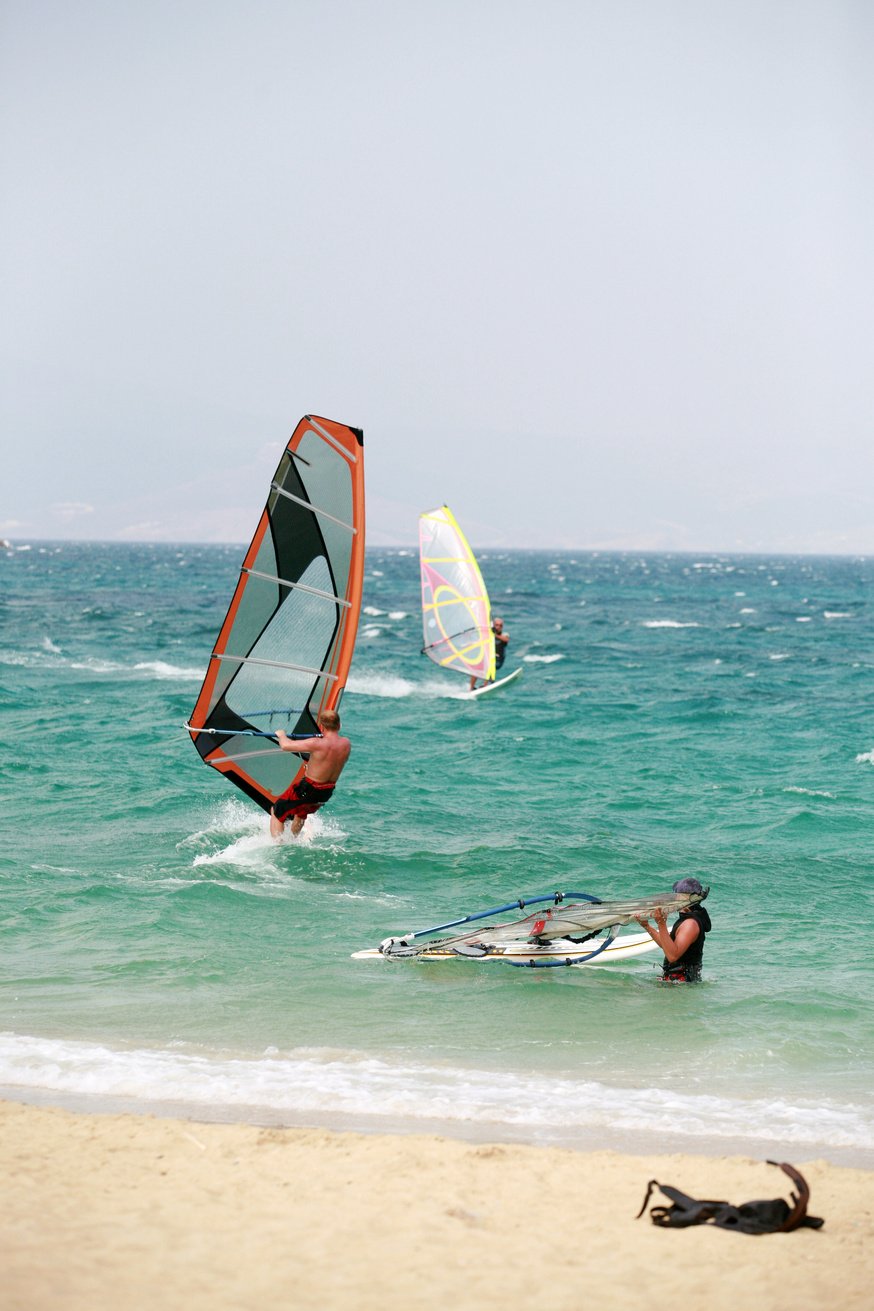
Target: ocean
(703, 715)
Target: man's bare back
(327, 756)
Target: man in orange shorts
(327, 756)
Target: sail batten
(289, 633)
(316, 509)
(271, 664)
(286, 582)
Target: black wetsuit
(687, 968)
(500, 651)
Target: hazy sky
(596, 273)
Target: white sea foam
(48, 645)
(779, 655)
(810, 792)
(866, 758)
(397, 614)
(837, 614)
(300, 1084)
(251, 846)
(371, 610)
(385, 685)
(161, 670)
(667, 623)
(541, 659)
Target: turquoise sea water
(677, 715)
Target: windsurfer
(502, 640)
(684, 944)
(314, 789)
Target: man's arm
(672, 947)
(300, 746)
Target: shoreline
(108, 1210)
(625, 1142)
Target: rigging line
(273, 664)
(556, 897)
(450, 637)
(308, 505)
(288, 711)
(338, 446)
(299, 587)
(568, 960)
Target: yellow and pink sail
(456, 616)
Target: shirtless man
(327, 756)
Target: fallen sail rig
(456, 615)
(553, 935)
(283, 653)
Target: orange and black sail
(284, 650)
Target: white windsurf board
(623, 947)
(498, 683)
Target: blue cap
(688, 885)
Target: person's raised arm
(300, 746)
(672, 947)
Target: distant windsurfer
(684, 944)
(502, 640)
(327, 756)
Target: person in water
(684, 945)
(327, 755)
(501, 642)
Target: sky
(595, 273)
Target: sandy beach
(109, 1211)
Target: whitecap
(837, 614)
(810, 792)
(866, 758)
(667, 623)
(541, 659)
(161, 670)
(385, 685)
